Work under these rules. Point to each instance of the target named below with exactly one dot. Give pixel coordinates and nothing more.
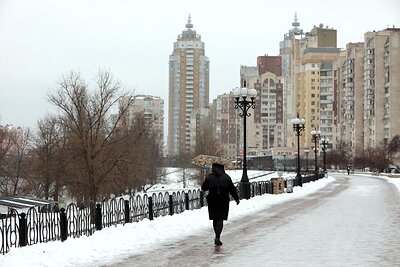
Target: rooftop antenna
(296, 22)
(189, 25)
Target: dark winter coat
(219, 185)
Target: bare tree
(206, 142)
(361, 160)
(375, 158)
(86, 118)
(394, 147)
(5, 142)
(16, 162)
(378, 157)
(139, 168)
(5, 146)
(49, 159)
(340, 156)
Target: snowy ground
(174, 180)
(395, 181)
(113, 244)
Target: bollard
(63, 225)
(171, 205)
(97, 217)
(187, 201)
(22, 230)
(126, 204)
(151, 212)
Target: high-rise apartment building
(307, 65)
(270, 71)
(201, 130)
(316, 93)
(381, 86)
(286, 53)
(227, 126)
(188, 88)
(266, 124)
(350, 80)
(152, 110)
(249, 78)
(369, 83)
(271, 111)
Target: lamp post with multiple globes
(324, 145)
(316, 135)
(298, 127)
(244, 101)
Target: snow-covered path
(354, 221)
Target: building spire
(189, 25)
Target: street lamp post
(243, 103)
(324, 145)
(298, 127)
(315, 137)
(306, 152)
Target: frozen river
(354, 221)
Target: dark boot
(217, 242)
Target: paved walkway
(354, 221)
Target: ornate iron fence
(19, 229)
(33, 226)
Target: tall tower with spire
(188, 88)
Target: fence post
(171, 205)
(151, 213)
(22, 230)
(252, 189)
(201, 199)
(63, 225)
(97, 217)
(127, 220)
(187, 201)
(260, 188)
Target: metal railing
(33, 226)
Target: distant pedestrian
(348, 170)
(220, 186)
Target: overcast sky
(41, 40)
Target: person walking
(220, 186)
